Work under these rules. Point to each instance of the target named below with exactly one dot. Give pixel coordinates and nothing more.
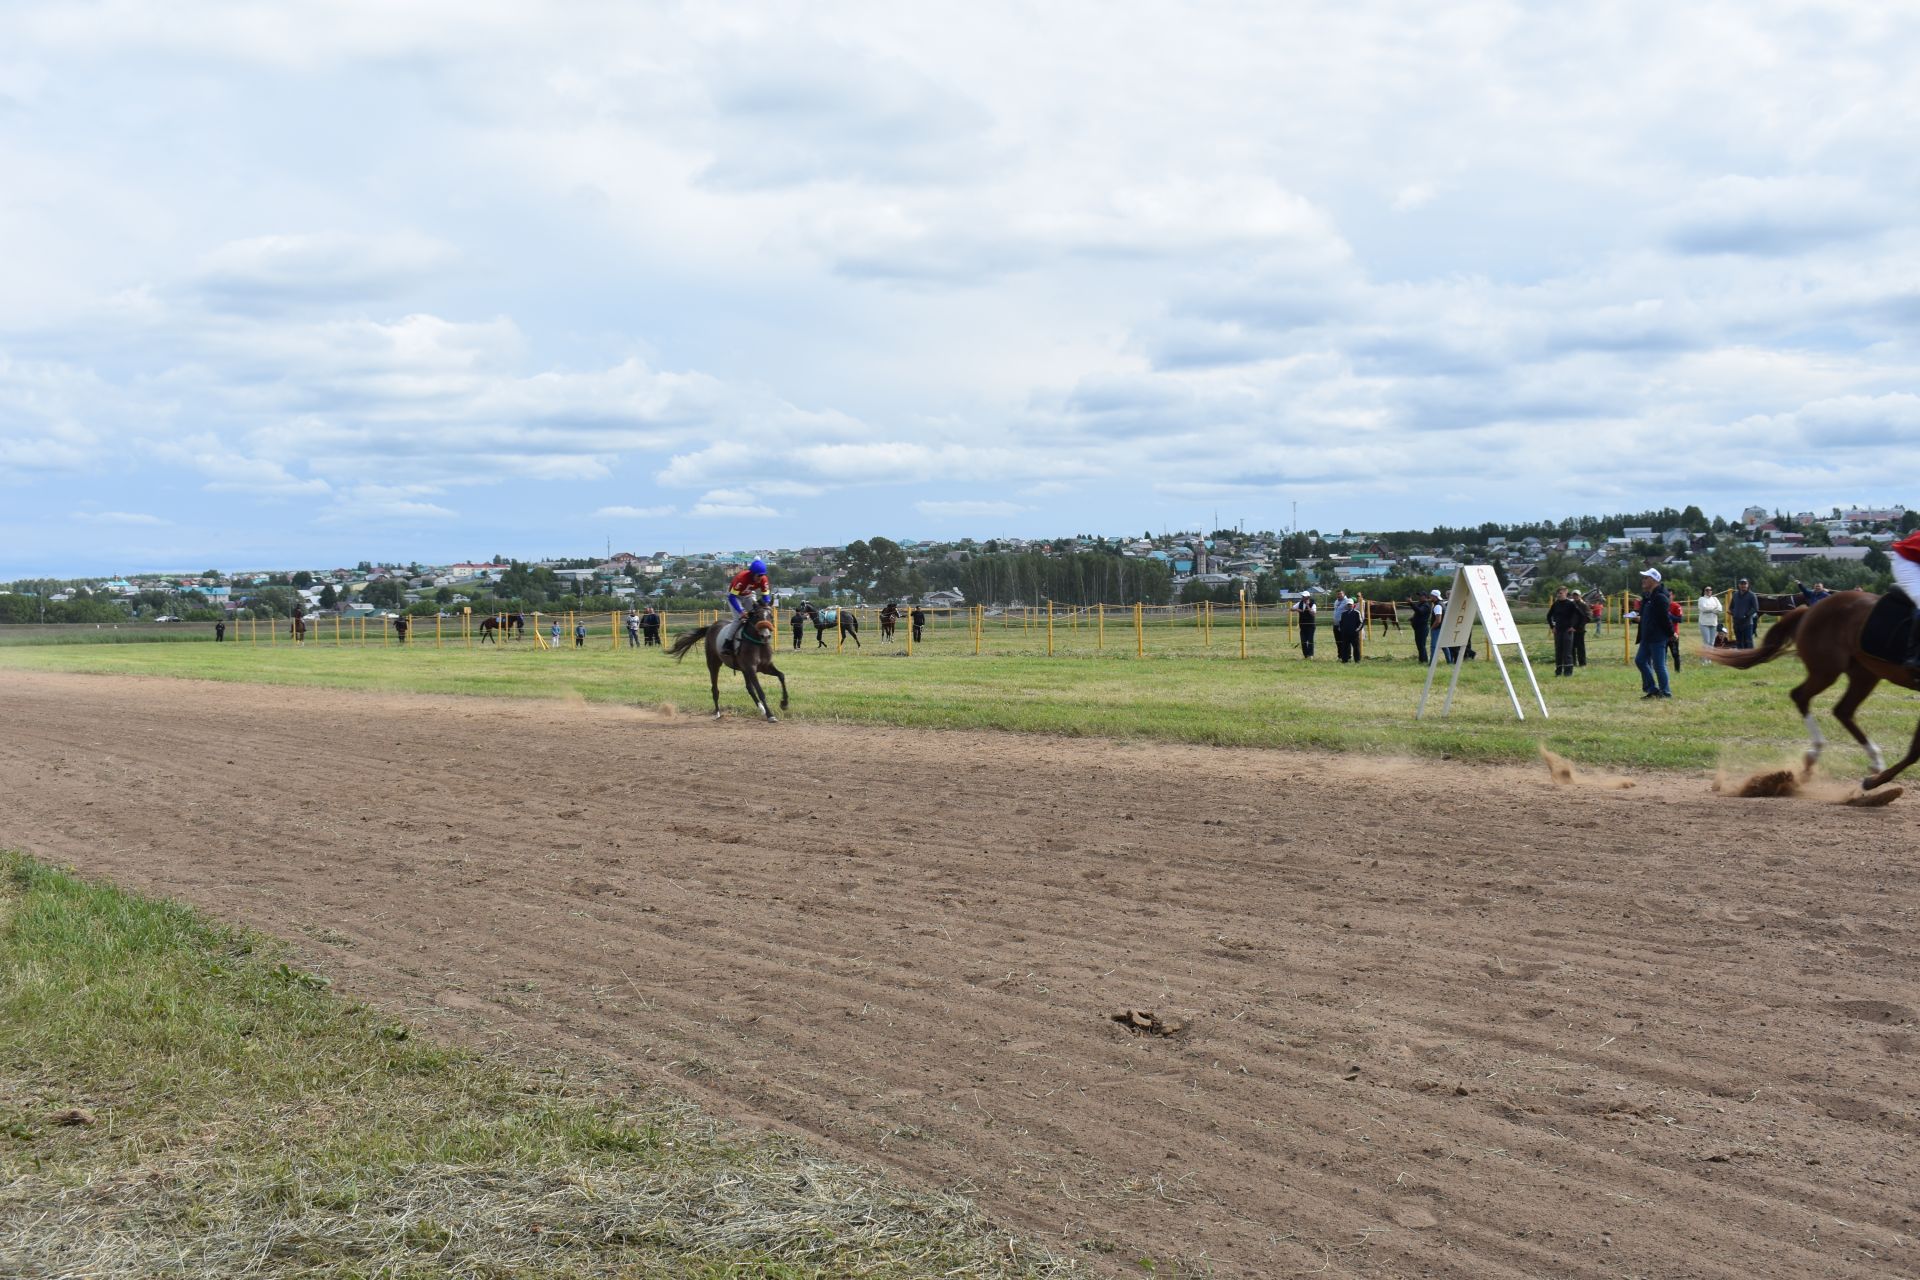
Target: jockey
(1906, 576)
(746, 583)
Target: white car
(166, 617)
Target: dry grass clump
(175, 1100)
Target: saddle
(733, 632)
(1885, 634)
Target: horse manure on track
(1565, 775)
(1145, 1022)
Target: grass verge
(1182, 691)
(176, 1099)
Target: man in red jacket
(1906, 575)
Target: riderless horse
(493, 626)
(830, 617)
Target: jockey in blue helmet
(747, 583)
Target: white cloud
(840, 266)
(965, 508)
(119, 517)
(634, 513)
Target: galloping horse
(888, 617)
(493, 626)
(752, 653)
(1855, 634)
(835, 616)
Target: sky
(300, 284)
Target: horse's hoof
(772, 718)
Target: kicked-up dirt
(1231, 1013)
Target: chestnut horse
(1827, 635)
(752, 653)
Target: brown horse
(1827, 635)
(751, 654)
(298, 629)
(1383, 611)
(510, 625)
(889, 616)
(1779, 605)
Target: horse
(837, 616)
(1852, 634)
(752, 653)
(298, 629)
(1778, 606)
(888, 617)
(493, 626)
(1383, 611)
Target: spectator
(555, 641)
(919, 619)
(1599, 618)
(1580, 616)
(219, 631)
(400, 625)
(580, 635)
(1708, 611)
(1814, 594)
(633, 630)
(1346, 630)
(1673, 641)
(1656, 624)
(1744, 609)
(650, 626)
(1423, 607)
(799, 627)
(1561, 616)
(1305, 610)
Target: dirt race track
(1438, 1020)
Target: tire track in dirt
(1442, 1020)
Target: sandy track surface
(1439, 1020)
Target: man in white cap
(1656, 627)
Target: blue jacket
(1813, 597)
(1744, 605)
(1656, 615)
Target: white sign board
(1478, 597)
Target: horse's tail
(1772, 645)
(686, 641)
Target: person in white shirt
(1709, 611)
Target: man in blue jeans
(1656, 627)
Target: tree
(383, 593)
(1877, 560)
(443, 596)
(329, 598)
(302, 580)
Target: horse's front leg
(774, 671)
(713, 674)
(755, 692)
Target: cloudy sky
(304, 283)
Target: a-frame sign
(1477, 596)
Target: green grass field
(176, 1099)
(1186, 689)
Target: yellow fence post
(1049, 627)
(1243, 622)
(1139, 632)
(1101, 643)
(386, 625)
